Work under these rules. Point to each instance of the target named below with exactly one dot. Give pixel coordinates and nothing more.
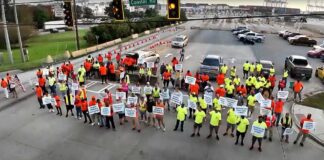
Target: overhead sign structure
(142, 2)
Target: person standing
(286, 122)
(215, 122)
(269, 120)
(49, 105)
(241, 129)
(4, 87)
(103, 73)
(199, 119)
(84, 109)
(246, 68)
(251, 103)
(193, 98)
(181, 55)
(181, 117)
(159, 117)
(39, 94)
(52, 84)
(298, 87)
(166, 97)
(166, 78)
(69, 103)
(278, 110)
(150, 104)
(303, 132)
(142, 109)
(110, 118)
(134, 120)
(258, 133)
(58, 104)
(78, 105)
(231, 121)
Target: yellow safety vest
(285, 75)
(149, 72)
(259, 67)
(156, 92)
(272, 71)
(141, 71)
(237, 81)
(246, 66)
(67, 101)
(248, 82)
(252, 67)
(51, 81)
(127, 79)
(233, 72)
(63, 87)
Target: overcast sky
(291, 3)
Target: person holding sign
(58, 104)
(303, 131)
(84, 109)
(241, 129)
(258, 129)
(193, 98)
(39, 95)
(134, 120)
(181, 117)
(298, 87)
(143, 109)
(94, 116)
(69, 103)
(199, 119)
(110, 118)
(166, 97)
(150, 103)
(286, 122)
(278, 110)
(231, 121)
(215, 121)
(269, 120)
(48, 104)
(251, 103)
(159, 117)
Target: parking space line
(110, 86)
(90, 84)
(168, 55)
(187, 57)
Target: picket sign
(282, 94)
(265, 103)
(46, 100)
(121, 95)
(75, 86)
(288, 131)
(192, 104)
(308, 125)
(122, 75)
(136, 90)
(259, 97)
(158, 110)
(264, 111)
(45, 72)
(231, 102)
(130, 112)
(62, 77)
(190, 80)
(118, 107)
(209, 99)
(241, 110)
(93, 109)
(178, 67)
(256, 130)
(164, 95)
(105, 111)
(176, 98)
(150, 64)
(222, 101)
(131, 100)
(148, 90)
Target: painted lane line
(187, 57)
(168, 55)
(110, 86)
(90, 84)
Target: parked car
(281, 33)
(322, 57)
(251, 36)
(144, 56)
(298, 66)
(319, 72)
(180, 41)
(315, 53)
(291, 34)
(295, 37)
(240, 32)
(321, 46)
(211, 65)
(266, 66)
(239, 28)
(303, 41)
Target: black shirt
(150, 105)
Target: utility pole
(5, 29)
(76, 25)
(18, 33)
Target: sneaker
(232, 135)
(198, 134)
(133, 129)
(57, 113)
(251, 147)
(208, 136)
(157, 127)
(260, 150)
(93, 124)
(163, 129)
(295, 142)
(270, 139)
(242, 144)
(301, 144)
(236, 143)
(175, 129)
(192, 135)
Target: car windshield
(301, 62)
(211, 62)
(266, 65)
(178, 39)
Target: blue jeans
(78, 112)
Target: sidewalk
(300, 111)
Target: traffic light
(68, 19)
(118, 10)
(173, 9)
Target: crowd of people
(72, 92)
(9, 85)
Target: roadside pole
(76, 25)
(18, 33)
(5, 29)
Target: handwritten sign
(178, 67)
(190, 80)
(192, 104)
(264, 111)
(176, 98)
(150, 64)
(136, 90)
(259, 97)
(62, 77)
(53, 101)
(105, 111)
(46, 100)
(265, 103)
(130, 112)
(282, 94)
(241, 110)
(208, 98)
(148, 90)
(259, 131)
(93, 109)
(118, 107)
(121, 75)
(288, 131)
(309, 125)
(165, 95)
(131, 100)
(75, 86)
(158, 110)
(231, 102)
(121, 95)
(222, 101)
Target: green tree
(150, 12)
(40, 17)
(79, 11)
(87, 12)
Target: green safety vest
(285, 75)
(246, 66)
(156, 92)
(141, 71)
(51, 81)
(233, 72)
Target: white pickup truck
(251, 36)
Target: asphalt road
(29, 133)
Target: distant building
(269, 10)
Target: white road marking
(168, 55)
(187, 57)
(109, 87)
(90, 84)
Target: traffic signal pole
(5, 29)
(18, 33)
(76, 25)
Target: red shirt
(39, 92)
(205, 78)
(118, 56)
(103, 70)
(221, 92)
(220, 79)
(302, 123)
(194, 88)
(58, 101)
(174, 62)
(4, 84)
(84, 106)
(279, 106)
(242, 90)
(71, 67)
(87, 66)
(272, 80)
(111, 68)
(92, 102)
(298, 86)
(188, 74)
(41, 82)
(108, 56)
(270, 120)
(166, 75)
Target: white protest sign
(136, 90)
(131, 100)
(130, 112)
(118, 107)
(178, 67)
(222, 101)
(282, 94)
(209, 99)
(121, 95)
(158, 110)
(192, 104)
(264, 111)
(148, 90)
(75, 86)
(150, 64)
(105, 111)
(231, 102)
(265, 103)
(46, 100)
(309, 125)
(93, 109)
(45, 72)
(288, 131)
(190, 80)
(259, 97)
(121, 75)
(53, 101)
(62, 77)
(256, 130)
(165, 95)
(176, 98)
(241, 110)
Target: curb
(296, 122)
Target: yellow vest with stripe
(285, 75)
(156, 92)
(51, 81)
(141, 71)
(67, 101)
(149, 72)
(63, 87)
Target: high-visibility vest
(272, 71)
(259, 67)
(63, 87)
(81, 78)
(83, 94)
(233, 72)
(284, 121)
(67, 100)
(149, 72)
(285, 75)
(51, 81)
(252, 68)
(237, 81)
(141, 71)
(127, 79)
(246, 66)
(156, 92)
